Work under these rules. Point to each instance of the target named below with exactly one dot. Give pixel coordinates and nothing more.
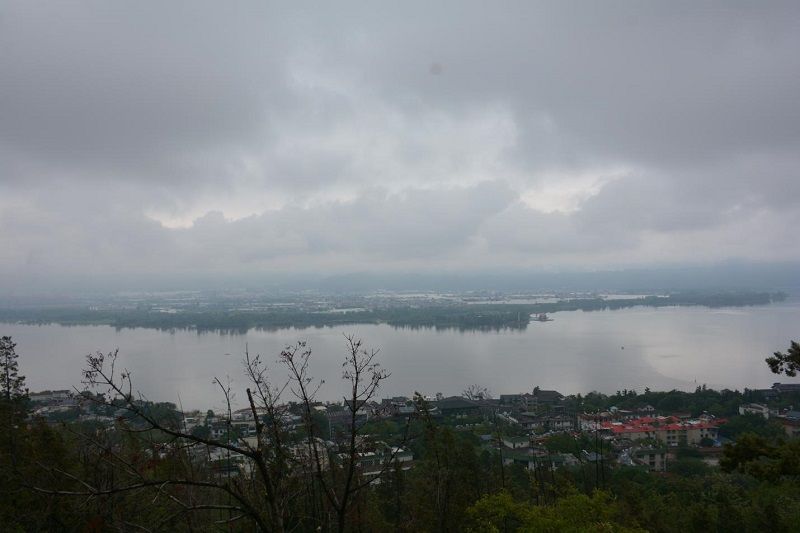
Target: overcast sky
(219, 138)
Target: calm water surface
(579, 351)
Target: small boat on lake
(542, 317)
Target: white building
(754, 409)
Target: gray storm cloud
(203, 138)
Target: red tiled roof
(651, 424)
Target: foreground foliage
(146, 472)
(454, 486)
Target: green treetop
(786, 363)
(12, 387)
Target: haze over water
(678, 347)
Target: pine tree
(12, 387)
(786, 363)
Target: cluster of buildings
(517, 426)
(373, 456)
(789, 419)
(51, 402)
(638, 437)
(667, 430)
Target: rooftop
(455, 402)
(548, 395)
(659, 423)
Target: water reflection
(578, 352)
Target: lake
(664, 348)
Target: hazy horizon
(718, 277)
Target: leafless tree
(267, 492)
(260, 501)
(476, 392)
(338, 475)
